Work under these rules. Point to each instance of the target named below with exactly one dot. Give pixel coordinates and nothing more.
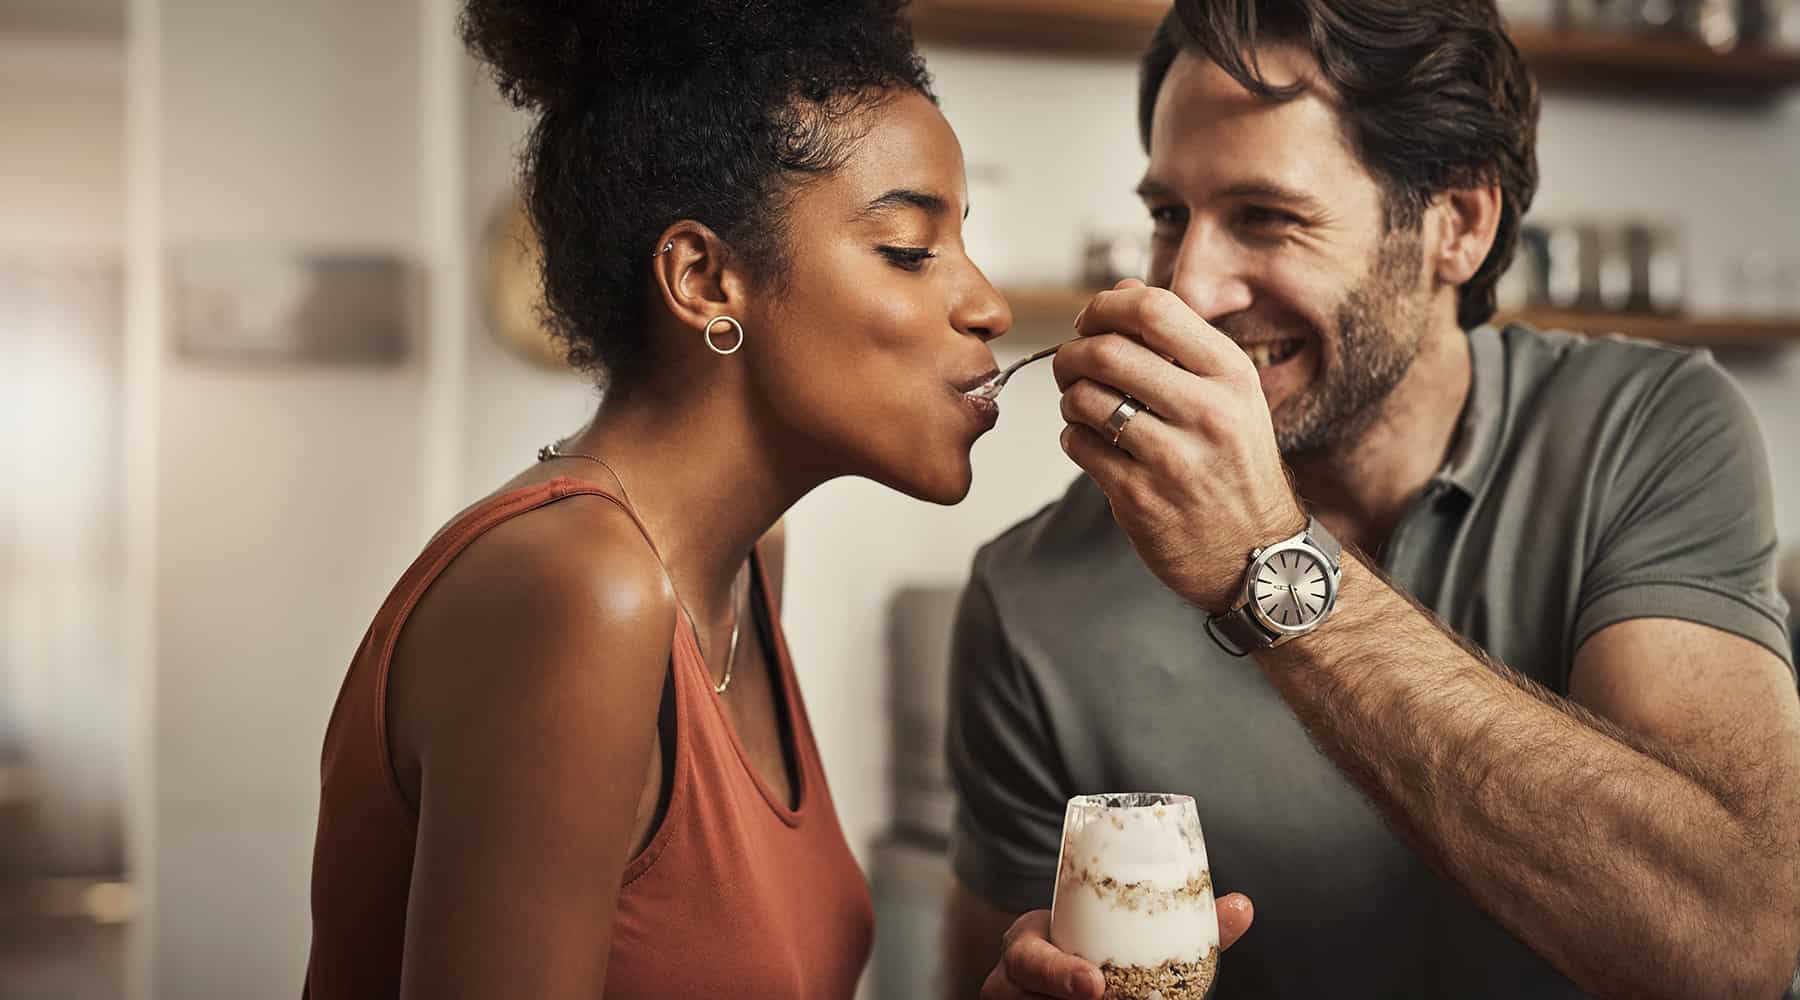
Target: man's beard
(1378, 336)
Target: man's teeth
(1264, 355)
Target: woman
(569, 758)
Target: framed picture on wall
(261, 303)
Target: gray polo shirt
(1592, 481)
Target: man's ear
(1466, 220)
(697, 276)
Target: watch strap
(1238, 633)
(1324, 542)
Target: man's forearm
(1608, 858)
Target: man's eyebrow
(1271, 191)
(1154, 190)
(901, 198)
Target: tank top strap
(487, 514)
(484, 516)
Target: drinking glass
(1134, 895)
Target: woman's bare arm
(537, 677)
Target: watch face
(1292, 589)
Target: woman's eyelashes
(906, 258)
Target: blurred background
(265, 322)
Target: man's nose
(1210, 279)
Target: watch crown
(1256, 553)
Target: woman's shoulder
(566, 600)
(560, 570)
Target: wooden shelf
(1101, 27)
(1042, 305)
(1693, 331)
(1667, 67)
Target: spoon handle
(1039, 356)
(991, 389)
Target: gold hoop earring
(736, 327)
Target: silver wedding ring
(1115, 424)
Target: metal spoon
(991, 388)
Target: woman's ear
(697, 276)
(1467, 219)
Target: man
(1535, 732)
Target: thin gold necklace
(550, 452)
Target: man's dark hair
(1434, 96)
(654, 111)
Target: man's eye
(1168, 215)
(906, 258)
(1266, 218)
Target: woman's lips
(974, 382)
(986, 411)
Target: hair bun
(548, 53)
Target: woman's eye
(907, 258)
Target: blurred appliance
(919, 623)
(1758, 21)
(1535, 12)
(1719, 23)
(910, 870)
(1784, 24)
(1107, 259)
(908, 880)
(1617, 267)
(1582, 14)
(1658, 269)
(1656, 16)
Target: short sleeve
(1686, 527)
(1008, 825)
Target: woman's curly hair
(653, 111)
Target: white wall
(62, 177)
(288, 496)
(513, 407)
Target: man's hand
(1195, 479)
(1030, 966)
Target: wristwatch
(1289, 590)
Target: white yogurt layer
(1157, 843)
(1093, 927)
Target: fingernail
(1087, 982)
(1082, 315)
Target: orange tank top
(735, 895)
